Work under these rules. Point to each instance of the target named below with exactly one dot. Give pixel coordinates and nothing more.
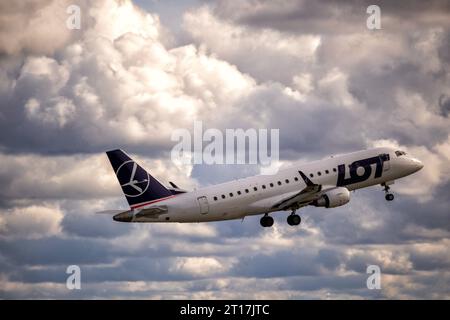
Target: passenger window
(287, 180)
(319, 173)
(263, 186)
(311, 175)
(279, 183)
(215, 198)
(231, 194)
(239, 192)
(246, 190)
(296, 179)
(223, 196)
(327, 172)
(255, 188)
(334, 169)
(271, 185)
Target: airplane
(324, 183)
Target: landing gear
(389, 196)
(266, 221)
(294, 219)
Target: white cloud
(427, 45)
(59, 111)
(444, 149)
(43, 177)
(31, 222)
(413, 110)
(204, 26)
(303, 83)
(39, 26)
(118, 84)
(251, 49)
(333, 86)
(75, 176)
(198, 266)
(186, 230)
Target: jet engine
(333, 198)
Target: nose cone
(416, 164)
(419, 165)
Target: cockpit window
(399, 153)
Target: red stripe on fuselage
(150, 202)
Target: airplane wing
(302, 198)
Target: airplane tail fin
(137, 184)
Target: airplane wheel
(389, 196)
(266, 221)
(294, 220)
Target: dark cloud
(56, 251)
(132, 269)
(91, 225)
(444, 104)
(302, 262)
(330, 16)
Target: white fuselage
(257, 194)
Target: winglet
(308, 182)
(173, 185)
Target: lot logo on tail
(133, 179)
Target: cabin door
(203, 203)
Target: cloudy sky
(135, 72)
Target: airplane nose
(417, 164)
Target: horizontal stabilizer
(111, 212)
